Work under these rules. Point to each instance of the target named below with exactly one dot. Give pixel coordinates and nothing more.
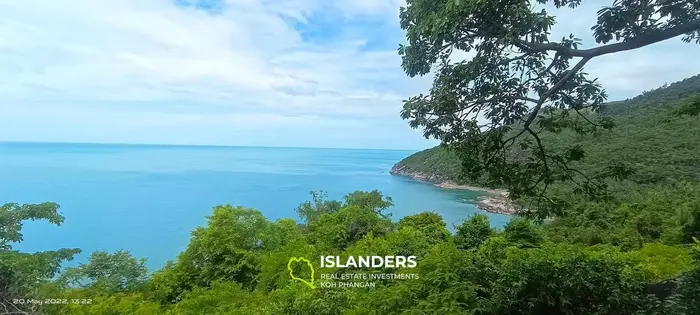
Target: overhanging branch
(632, 43)
(554, 89)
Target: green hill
(435, 165)
(650, 134)
(661, 97)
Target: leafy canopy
(21, 273)
(522, 82)
(111, 273)
(237, 264)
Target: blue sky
(309, 73)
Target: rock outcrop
(496, 202)
(403, 170)
(500, 204)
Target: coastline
(491, 191)
(498, 201)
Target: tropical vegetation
(611, 189)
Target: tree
(564, 279)
(373, 200)
(690, 106)
(227, 249)
(311, 210)
(430, 223)
(473, 232)
(350, 224)
(222, 298)
(522, 232)
(109, 273)
(520, 83)
(21, 274)
(238, 264)
(12, 215)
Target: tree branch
(554, 89)
(632, 43)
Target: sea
(147, 199)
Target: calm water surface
(147, 198)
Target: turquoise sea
(148, 198)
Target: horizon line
(194, 145)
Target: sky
(294, 73)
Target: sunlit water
(147, 199)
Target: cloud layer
(235, 72)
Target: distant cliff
(436, 165)
(404, 170)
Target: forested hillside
(649, 133)
(436, 165)
(660, 97)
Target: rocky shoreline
(497, 202)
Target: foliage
(222, 298)
(630, 254)
(438, 163)
(523, 232)
(655, 141)
(237, 264)
(473, 232)
(618, 234)
(690, 107)
(687, 296)
(520, 82)
(21, 274)
(597, 282)
(659, 98)
(350, 224)
(430, 224)
(12, 215)
(111, 273)
(373, 200)
(112, 304)
(310, 210)
(227, 250)
(664, 213)
(629, 247)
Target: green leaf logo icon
(308, 263)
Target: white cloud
(628, 73)
(388, 8)
(103, 57)
(150, 71)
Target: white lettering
(400, 261)
(369, 261)
(329, 261)
(412, 261)
(364, 262)
(377, 263)
(389, 261)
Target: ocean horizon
(213, 146)
(147, 198)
